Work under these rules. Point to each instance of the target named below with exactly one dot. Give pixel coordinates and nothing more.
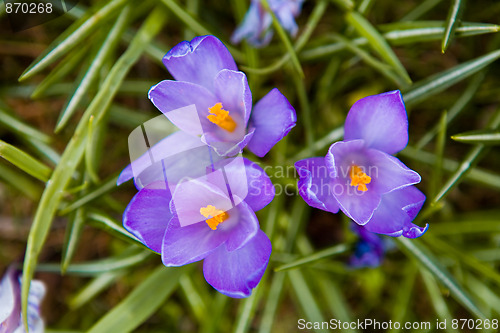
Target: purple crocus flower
(10, 304)
(369, 250)
(256, 26)
(203, 218)
(359, 175)
(211, 98)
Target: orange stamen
(359, 178)
(221, 118)
(217, 216)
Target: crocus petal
(177, 150)
(369, 249)
(388, 173)
(314, 184)
(184, 245)
(287, 20)
(272, 117)
(231, 88)
(227, 148)
(199, 61)
(379, 120)
(236, 273)
(185, 105)
(396, 211)
(147, 216)
(249, 181)
(7, 297)
(250, 24)
(241, 231)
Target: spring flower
(10, 304)
(209, 217)
(360, 177)
(369, 250)
(256, 26)
(211, 98)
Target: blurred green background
(64, 129)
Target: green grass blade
(19, 181)
(74, 150)
(102, 189)
(21, 129)
(456, 108)
(437, 299)
(284, 38)
(104, 53)
(469, 161)
(331, 251)
(403, 295)
(486, 137)
(454, 16)
(69, 40)
(272, 302)
(306, 299)
(334, 135)
(477, 175)
(377, 42)
(420, 10)
(439, 151)
(380, 67)
(25, 162)
(195, 300)
(58, 73)
(93, 288)
(437, 83)
(130, 257)
(107, 223)
(142, 302)
(415, 249)
(247, 311)
(73, 233)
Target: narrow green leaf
(331, 251)
(71, 38)
(93, 288)
(104, 52)
(130, 257)
(418, 251)
(306, 299)
(306, 110)
(19, 181)
(380, 67)
(377, 42)
(248, 308)
(332, 136)
(401, 33)
(477, 175)
(272, 301)
(21, 129)
(486, 137)
(469, 161)
(436, 83)
(142, 302)
(454, 16)
(456, 108)
(195, 300)
(439, 151)
(74, 150)
(420, 10)
(72, 236)
(25, 162)
(107, 223)
(472, 226)
(284, 38)
(58, 73)
(437, 299)
(403, 295)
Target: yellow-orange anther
(216, 216)
(359, 178)
(221, 118)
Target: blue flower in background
(360, 177)
(10, 304)
(211, 98)
(369, 250)
(256, 26)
